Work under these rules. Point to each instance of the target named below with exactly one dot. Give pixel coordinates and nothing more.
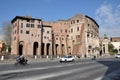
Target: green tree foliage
(7, 29)
(111, 49)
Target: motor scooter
(20, 61)
(94, 58)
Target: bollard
(47, 57)
(2, 58)
(35, 57)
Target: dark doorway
(62, 49)
(35, 48)
(48, 47)
(42, 49)
(21, 48)
(56, 47)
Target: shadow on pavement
(113, 71)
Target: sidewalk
(112, 76)
(31, 60)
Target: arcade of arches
(34, 50)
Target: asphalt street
(85, 69)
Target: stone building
(104, 41)
(30, 37)
(83, 36)
(61, 33)
(78, 36)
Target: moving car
(117, 55)
(67, 58)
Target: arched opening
(48, 47)
(21, 47)
(56, 47)
(69, 50)
(35, 48)
(42, 49)
(103, 48)
(63, 49)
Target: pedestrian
(85, 56)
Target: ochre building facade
(78, 36)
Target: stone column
(25, 49)
(45, 49)
(38, 50)
(106, 48)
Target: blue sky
(105, 12)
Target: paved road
(53, 70)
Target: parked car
(117, 55)
(67, 58)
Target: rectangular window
(71, 30)
(77, 28)
(47, 32)
(21, 31)
(73, 21)
(32, 25)
(31, 34)
(65, 30)
(43, 30)
(32, 21)
(39, 21)
(44, 37)
(39, 26)
(28, 20)
(56, 38)
(27, 32)
(88, 24)
(21, 25)
(61, 30)
(27, 25)
(14, 38)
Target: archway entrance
(42, 49)
(35, 48)
(56, 47)
(48, 48)
(63, 49)
(21, 47)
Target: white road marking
(39, 68)
(99, 78)
(55, 74)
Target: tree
(7, 29)
(111, 49)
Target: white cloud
(108, 17)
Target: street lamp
(52, 44)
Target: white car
(67, 58)
(117, 55)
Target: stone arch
(21, 44)
(42, 49)
(63, 49)
(56, 49)
(48, 48)
(35, 48)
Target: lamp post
(52, 44)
